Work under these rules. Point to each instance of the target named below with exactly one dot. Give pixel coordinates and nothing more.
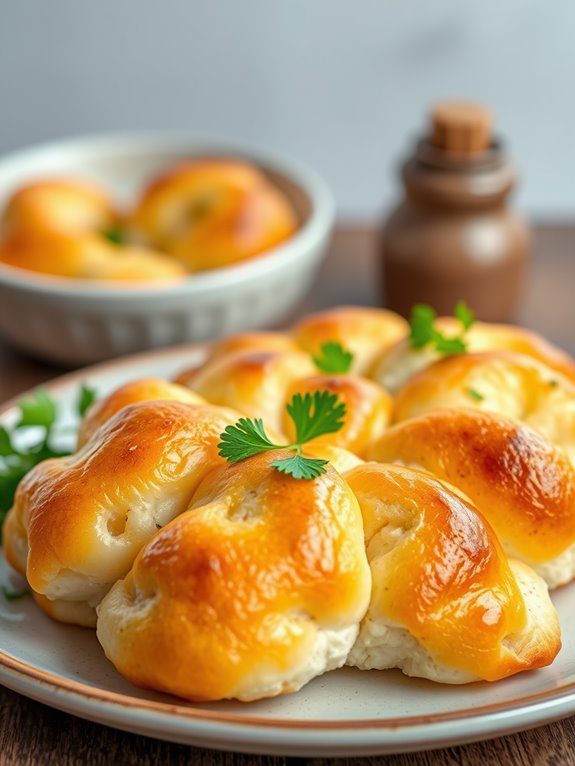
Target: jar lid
(461, 128)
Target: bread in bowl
(64, 204)
(363, 331)
(82, 255)
(446, 603)
(213, 212)
(251, 593)
(523, 486)
(78, 522)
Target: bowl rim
(305, 239)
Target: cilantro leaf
(314, 416)
(301, 467)
(475, 395)
(14, 595)
(115, 236)
(447, 345)
(333, 358)
(423, 330)
(86, 398)
(38, 410)
(421, 324)
(244, 439)
(6, 447)
(464, 314)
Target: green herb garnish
(312, 415)
(475, 395)
(553, 383)
(14, 595)
(115, 236)
(333, 357)
(86, 399)
(40, 412)
(423, 330)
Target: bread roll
(513, 385)
(253, 382)
(363, 331)
(141, 390)
(446, 603)
(213, 212)
(524, 487)
(398, 362)
(54, 252)
(241, 341)
(253, 592)
(64, 204)
(368, 410)
(84, 256)
(78, 522)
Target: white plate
(346, 712)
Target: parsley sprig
(40, 412)
(312, 416)
(423, 330)
(333, 357)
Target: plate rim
(422, 730)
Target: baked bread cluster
(202, 214)
(438, 514)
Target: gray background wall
(341, 84)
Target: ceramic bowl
(76, 322)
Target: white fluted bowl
(77, 322)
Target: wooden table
(31, 733)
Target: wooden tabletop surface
(31, 733)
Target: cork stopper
(461, 128)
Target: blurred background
(341, 84)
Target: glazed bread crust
(510, 384)
(255, 590)
(523, 486)
(363, 331)
(253, 382)
(441, 579)
(397, 363)
(78, 522)
(141, 390)
(212, 213)
(60, 203)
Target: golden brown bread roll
(60, 203)
(213, 212)
(241, 341)
(254, 591)
(361, 330)
(84, 256)
(513, 385)
(78, 522)
(368, 410)
(142, 390)
(253, 382)
(398, 362)
(252, 341)
(446, 603)
(524, 487)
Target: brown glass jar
(453, 237)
